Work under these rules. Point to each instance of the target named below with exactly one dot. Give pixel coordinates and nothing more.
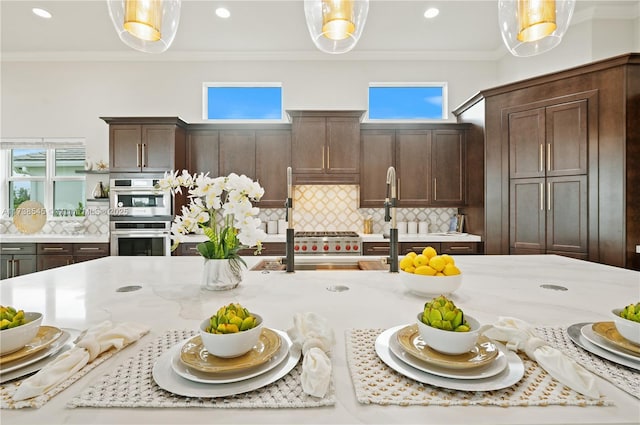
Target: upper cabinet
(273, 156)
(148, 145)
(325, 147)
(430, 163)
(202, 151)
(238, 153)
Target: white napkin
(519, 335)
(311, 334)
(96, 341)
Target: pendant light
(146, 25)
(335, 25)
(531, 27)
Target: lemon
(450, 270)
(420, 260)
(425, 270)
(437, 263)
(410, 269)
(448, 259)
(411, 254)
(429, 252)
(440, 274)
(406, 262)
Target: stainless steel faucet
(390, 216)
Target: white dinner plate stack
(488, 366)
(602, 339)
(187, 369)
(48, 343)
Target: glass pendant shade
(335, 25)
(146, 25)
(531, 27)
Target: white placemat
(376, 383)
(131, 385)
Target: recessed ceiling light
(223, 12)
(41, 12)
(432, 12)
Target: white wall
(66, 99)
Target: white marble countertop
(85, 294)
(376, 237)
(53, 238)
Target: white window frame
(205, 101)
(49, 145)
(445, 101)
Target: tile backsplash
(316, 207)
(335, 207)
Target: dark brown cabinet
(238, 153)
(548, 179)
(375, 248)
(152, 145)
(325, 147)
(268, 248)
(52, 255)
(452, 248)
(580, 123)
(202, 152)
(17, 259)
(430, 166)
(273, 156)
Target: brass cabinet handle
(8, 248)
(138, 150)
(541, 166)
(144, 163)
(459, 248)
(89, 248)
(16, 268)
(398, 194)
(53, 248)
(328, 158)
(549, 157)
(435, 188)
(549, 196)
(541, 197)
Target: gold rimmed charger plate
(195, 355)
(483, 353)
(608, 331)
(30, 217)
(46, 336)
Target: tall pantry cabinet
(561, 162)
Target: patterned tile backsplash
(316, 207)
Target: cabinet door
(527, 215)
(447, 167)
(566, 139)
(273, 156)
(125, 148)
(459, 248)
(377, 154)
(308, 135)
(413, 160)
(158, 148)
(375, 248)
(6, 266)
(417, 247)
(238, 152)
(527, 143)
(46, 262)
(343, 145)
(567, 214)
(202, 152)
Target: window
(407, 101)
(241, 102)
(43, 170)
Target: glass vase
(221, 275)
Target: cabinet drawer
(55, 248)
(375, 248)
(418, 247)
(18, 248)
(187, 248)
(268, 248)
(92, 249)
(459, 248)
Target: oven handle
(138, 191)
(141, 234)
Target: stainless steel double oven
(140, 216)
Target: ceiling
(82, 29)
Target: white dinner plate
(574, 332)
(511, 375)
(594, 338)
(496, 366)
(227, 377)
(168, 380)
(28, 360)
(36, 366)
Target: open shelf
(92, 171)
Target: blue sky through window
(244, 103)
(406, 102)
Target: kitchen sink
(323, 264)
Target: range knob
(314, 247)
(304, 247)
(356, 247)
(296, 247)
(326, 247)
(347, 247)
(337, 247)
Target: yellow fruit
(429, 252)
(411, 254)
(410, 269)
(450, 270)
(437, 263)
(420, 260)
(425, 270)
(440, 274)
(448, 259)
(406, 262)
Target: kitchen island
(544, 290)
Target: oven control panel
(327, 243)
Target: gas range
(329, 242)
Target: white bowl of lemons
(429, 273)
